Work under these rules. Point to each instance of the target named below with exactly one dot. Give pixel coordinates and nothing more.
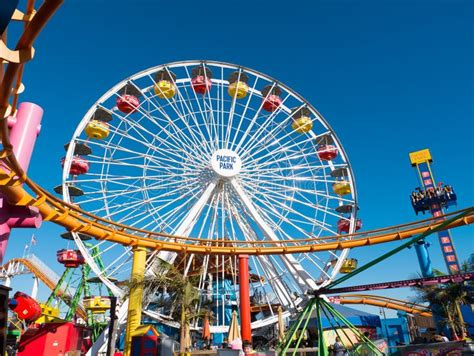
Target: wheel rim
(159, 170)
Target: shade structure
(355, 317)
(281, 325)
(234, 331)
(206, 329)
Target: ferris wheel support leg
(302, 278)
(185, 228)
(136, 294)
(244, 289)
(24, 128)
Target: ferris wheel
(220, 152)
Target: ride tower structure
(434, 198)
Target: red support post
(244, 290)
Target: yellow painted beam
(136, 295)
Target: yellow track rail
(74, 219)
(384, 302)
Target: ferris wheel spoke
(184, 104)
(136, 124)
(280, 268)
(124, 257)
(246, 107)
(187, 198)
(271, 210)
(283, 187)
(263, 128)
(95, 177)
(297, 177)
(310, 221)
(301, 277)
(112, 208)
(220, 111)
(307, 169)
(117, 193)
(181, 116)
(298, 191)
(203, 117)
(158, 107)
(259, 272)
(199, 144)
(231, 115)
(254, 120)
(269, 270)
(297, 155)
(172, 216)
(110, 146)
(134, 214)
(204, 224)
(309, 258)
(166, 152)
(191, 114)
(136, 165)
(261, 146)
(210, 111)
(130, 189)
(258, 146)
(188, 222)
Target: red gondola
(25, 307)
(201, 84)
(327, 152)
(343, 225)
(271, 103)
(128, 103)
(201, 79)
(271, 98)
(79, 165)
(70, 258)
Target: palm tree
(448, 299)
(176, 293)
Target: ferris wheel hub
(226, 163)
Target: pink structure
(24, 128)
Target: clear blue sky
(391, 77)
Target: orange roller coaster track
(74, 219)
(36, 271)
(30, 266)
(383, 302)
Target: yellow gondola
(349, 265)
(97, 129)
(302, 124)
(239, 89)
(165, 89)
(97, 304)
(341, 188)
(48, 314)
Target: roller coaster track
(13, 181)
(383, 302)
(31, 263)
(417, 282)
(43, 273)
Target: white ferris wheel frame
(304, 280)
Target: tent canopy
(355, 317)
